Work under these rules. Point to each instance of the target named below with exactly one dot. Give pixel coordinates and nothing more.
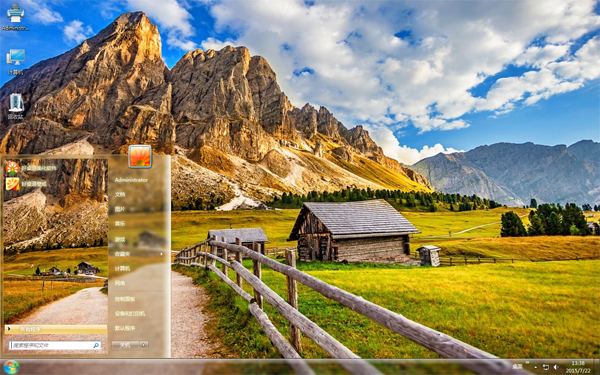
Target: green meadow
(20, 264)
(521, 310)
(190, 227)
(449, 224)
(525, 309)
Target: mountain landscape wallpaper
(475, 124)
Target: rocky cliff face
(514, 173)
(114, 90)
(90, 89)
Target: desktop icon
(15, 14)
(140, 156)
(15, 55)
(16, 103)
(12, 168)
(12, 183)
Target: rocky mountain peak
(114, 90)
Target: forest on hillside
(412, 200)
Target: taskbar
(300, 366)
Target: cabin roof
(246, 234)
(372, 218)
(86, 263)
(429, 247)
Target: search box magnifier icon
(96, 345)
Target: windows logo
(11, 366)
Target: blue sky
(423, 77)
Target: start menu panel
(86, 255)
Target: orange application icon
(140, 156)
(12, 183)
(12, 168)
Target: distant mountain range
(512, 174)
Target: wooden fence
(278, 251)
(204, 255)
(61, 279)
(462, 261)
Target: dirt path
(189, 338)
(239, 199)
(470, 229)
(88, 306)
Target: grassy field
(440, 223)
(536, 248)
(22, 297)
(523, 309)
(64, 258)
(190, 227)
(516, 310)
(592, 216)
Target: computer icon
(15, 55)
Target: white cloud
(172, 17)
(404, 154)
(541, 56)
(365, 71)
(40, 12)
(554, 78)
(212, 43)
(76, 32)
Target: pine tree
(536, 228)
(512, 226)
(554, 227)
(533, 203)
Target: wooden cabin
(247, 235)
(83, 267)
(54, 270)
(351, 231)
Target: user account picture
(140, 156)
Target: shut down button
(143, 345)
(125, 345)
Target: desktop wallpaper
(365, 136)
